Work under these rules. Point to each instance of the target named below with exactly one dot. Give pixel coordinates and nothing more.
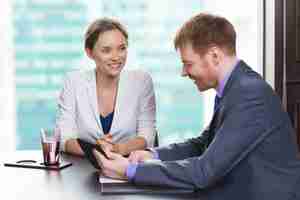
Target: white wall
(7, 86)
(270, 40)
(246, 17)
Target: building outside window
(47, 43)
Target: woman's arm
(137, 143)
(125, 148)
(72, 147)
(146, 129)
(65, 120)
(146, 120)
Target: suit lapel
(92, 97)
(219, 112)
(234, 75)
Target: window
(48, 42)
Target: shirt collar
(222, 84)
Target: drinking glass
(50, 139)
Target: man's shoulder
(248, 84)
(248, 79)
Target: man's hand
(114, 168)
(140, 156)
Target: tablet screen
(87, 148)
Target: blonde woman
(108, 105)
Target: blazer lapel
(92, 97)
(118, 106)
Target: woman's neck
(106, 82)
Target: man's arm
(190, 148)
(243, 128)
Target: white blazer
(135, 109)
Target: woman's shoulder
(80, 75)
(136, 75)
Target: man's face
(199, 68)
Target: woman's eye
(105, 50)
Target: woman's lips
(115, 65)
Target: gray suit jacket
(248, 152)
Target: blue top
(106, 122)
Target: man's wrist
(131, 171)
(154, 153)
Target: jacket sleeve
(190, 148)
(65, 119)
(147, 111)
(242, 128)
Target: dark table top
(76, 182)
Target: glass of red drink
(50, 139)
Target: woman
(108, 105)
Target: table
(76, 182)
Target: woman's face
(109, 53)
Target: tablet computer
(87, 148)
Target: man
(249, 149)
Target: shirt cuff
(131, 171)
(154, 152)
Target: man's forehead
(185, 45)
(187, 52)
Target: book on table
(116, 186)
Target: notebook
(115, 186)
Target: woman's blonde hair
(100, 26)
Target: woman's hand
(115, 167)
(140, 156)
(121, 148)
(106, 143)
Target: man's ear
(216, 54)
(89, 53)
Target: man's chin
(201, 89)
